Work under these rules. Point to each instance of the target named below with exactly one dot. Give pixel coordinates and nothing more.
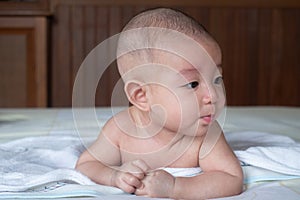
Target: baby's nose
(210, 95)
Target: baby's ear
(137, 95)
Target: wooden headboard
(260, 41)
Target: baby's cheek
(173, 112)
(189, 105)
(221, 100)
(175, 107)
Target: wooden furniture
(23, 66)
(23, 54)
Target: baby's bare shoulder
(115, 127)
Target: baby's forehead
(179, 61)
(156, 59)
(166, 46)
(175, 61)
(207, 54)
(166, 68)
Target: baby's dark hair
(169, 19)
(164, 18)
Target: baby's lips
(208, 118)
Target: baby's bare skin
(171, 123)
(181, 150)
(132, 163)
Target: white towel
(33, 165)
(32, 161)
(43, 167)
(268, 151)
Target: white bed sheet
(277, 120)
(20, 123)
(17, 123)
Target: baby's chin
(196, 130)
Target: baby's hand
(157, 184)
(128, 177)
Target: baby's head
(164, 19)
(171, 49)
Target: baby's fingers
(141, 165)
(132, 180)
(140, 170)
(129, 183)
(141, 191)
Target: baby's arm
(101, 163)
(222, 176)
(127, 177)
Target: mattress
(28, 125)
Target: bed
(39, 148)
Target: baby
(171, 68)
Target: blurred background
(43, 43)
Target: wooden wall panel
(260, 48)
(24, 8)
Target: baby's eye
(218, 80)
(193, 84)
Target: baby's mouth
(207, 118)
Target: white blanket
(268, 151)
(41, 166)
